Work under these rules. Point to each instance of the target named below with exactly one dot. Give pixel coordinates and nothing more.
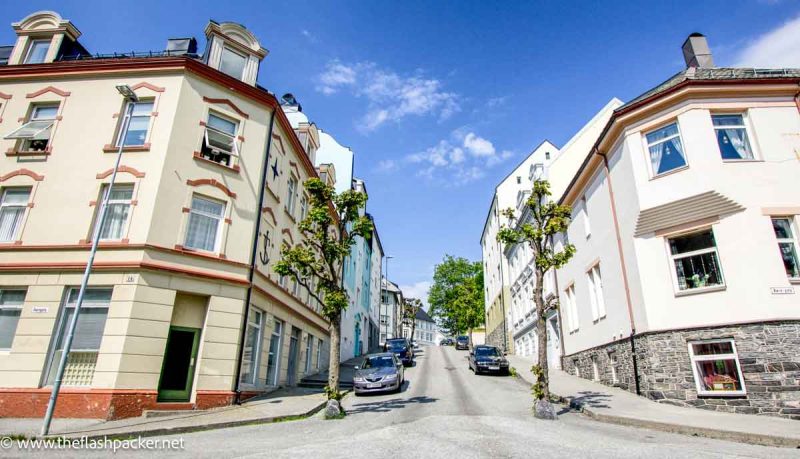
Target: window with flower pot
(716, 368)
(219, 140)
(696, 261)
(35, 134)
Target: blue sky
(439, 100)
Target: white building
(425, 329)
(495, 267)
(684, 284)
(558, 169)
(391, 311)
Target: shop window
(716, 368)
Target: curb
(199, 428)
(717, 434)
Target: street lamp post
(129, 97)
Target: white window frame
(587, 226)
(673, 258)
(220, 220)
(255, 361)
(793, 240)
(745, 125)
(234, 151)
(701, 358)
(572, 309)
(303, 206)
(319, 353)
(46, 125)
(647, 145)
(244, 57)
(17, 307)
(31, 46)
(122, 122)
(595, 282)
(613, 362)
(104, 190)
(291, 190)
(3, 205)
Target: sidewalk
(617, 406)
(283, 404)
(346, 372)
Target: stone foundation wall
(769, 355)
(495, 337)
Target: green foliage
(315, 263)
(538, 388)
(512, 371)
(333, 394)
(410, 308)
(456, 296)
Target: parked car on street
(379, 373)
(462, 342)
(446, 342)
(487, 359)
(401, 347)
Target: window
(35, 134)
(319, 353)
(88, 335)
(666, 149)
(587, 227)
(696, 260)
(12, 209)
(595, 369)
(309, 350)
(219, 140)
(10, 310)
(37, 51)
(205, 217)
(138, 125)
(303, 207)
(716, 369)
(577, 368)
(119, 205)
(571, 308)
(232, 63)
(612, 358)
(274, 354)
(291, 195)
(787, 245)
(596, 293)
(252, 346)
(519, 180)
(732, 137)
(547, 155)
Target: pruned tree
(546, 219)
(456, 296)
(316, 263)
(410, 308)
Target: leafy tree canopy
(456, 296)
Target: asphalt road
(445, 411)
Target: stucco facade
(151, 280)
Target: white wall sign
(40, 309)
(782, 290)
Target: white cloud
(779, 47)
(386, 165)
(459, 160)
(390, 96)
(417, 290)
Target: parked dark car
(379, 373)
(462, 342)
(446, 342)
(401, 347)
(487, 359)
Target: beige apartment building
(166, 311)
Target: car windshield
(397, 345)
(462, 338)
(382, 361)
(486, 352)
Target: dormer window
(219, 140)
(37, 51)
(35, 134)
(232, 63)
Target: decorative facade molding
(52, 89)
(23, 171)
(214, 183)
(229, 103)
(147, 85)
(122, 168)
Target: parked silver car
(378, 373)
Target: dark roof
(711, 74)
(422, 315)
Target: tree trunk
(336, 352)
(413, 328)
(541, 332)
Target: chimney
(181, 46)
(696, 52)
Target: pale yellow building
(162, 322)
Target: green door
(177, 372)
